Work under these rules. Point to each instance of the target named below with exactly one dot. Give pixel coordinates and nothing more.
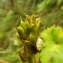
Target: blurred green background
(50, 11)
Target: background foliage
(50, 11)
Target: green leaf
(52, 54)
(52, 51)
(51, 34)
